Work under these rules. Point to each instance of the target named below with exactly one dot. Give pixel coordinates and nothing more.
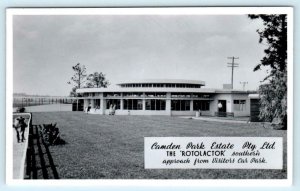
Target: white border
(147, 11)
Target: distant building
(166, 97)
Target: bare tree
(78, 79)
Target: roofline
(254, 96)
(178, 90)
(183, 90)
(163, 81)
(235, 91)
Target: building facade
(166, 97)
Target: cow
(20, 125)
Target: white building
(166, 97)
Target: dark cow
(20, 125)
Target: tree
(274, 92)
(97, 80)
(78, 79)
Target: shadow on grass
(39, 161)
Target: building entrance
(222, 105)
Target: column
(168, 104)
(92, 103)
(85, 104)
(191, 105)
(144, 101)
(144, 104)
(122, 104)
(102, 106)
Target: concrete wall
(213, 107)
(246, 112)
(138, 112)
(188, 113)
(149, 112)
(229, 104)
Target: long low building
(165, 97)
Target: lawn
(112, 147)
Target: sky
(132, 47)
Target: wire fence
(35, 101)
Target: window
(139, 104)
(153, 94)
(200, 95)
(239, 105)
(155, 104)
(134, 94)
(97, 103)
(112, 102)
(133, 104)
(180, 105)
(111, 94)
(200, 105)
(181, 95)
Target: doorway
(222, 106)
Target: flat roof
(163, 81)
(177, 90)
(254, 96)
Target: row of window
(113, 102)
(190, 95)
(152, 94)
(161, 85)
(180, 105)
(133, 104)
(156, 104)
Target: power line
(232, 65)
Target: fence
(33, 101)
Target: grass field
(112, 147)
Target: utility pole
(232, 65)
(244, 84)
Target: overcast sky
(134, 47)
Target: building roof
(141, 89)
(152, 89)
(163, 81)
(118, 88)
(254, 96)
